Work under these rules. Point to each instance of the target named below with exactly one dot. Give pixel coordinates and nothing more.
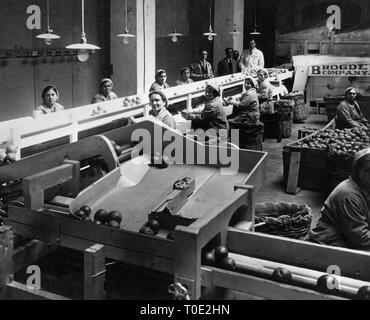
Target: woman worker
(213, 115)
(160, 81)
(185, 77)
(159, 104)
(105, 92)
(265, 92)
(345, 220)
(247, 110)
(50, 97)
(349, 114)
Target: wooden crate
(313, 172)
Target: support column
(146, 44)
(228, 13)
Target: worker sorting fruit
(345, 220)
(349, 114)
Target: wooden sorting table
(135, 188)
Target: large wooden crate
(314, 172)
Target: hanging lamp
(255, 32)
(174, 35)
(126, 35)
(84, 48)
(49, 36)
(235, 32)
(210, 34)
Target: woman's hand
(185, 114)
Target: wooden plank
(94, 273)
(261, 287)
(145, 260)
(6, 254)
(295, 161)
(352, 263)
(48, 178)
(30, 252)
(63, 226)
(18, 291)
(84, 149)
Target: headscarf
(184, 69)
(355, 164)
(164, 98)
(254, 82)
(104, 80)
(158, 73)
(361, 154)
(348, 90)
(264, 71)
(215, 88)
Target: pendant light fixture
(174, 35)
(84, 48)
(49, 36)
(235, 32)
(210, 34)
(255, 32)
(126, 35)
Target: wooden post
(6, 255)
(292, 184)
(94, 273)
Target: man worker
(201, 69)
(251, 59)
(236, 56)
(227, 65)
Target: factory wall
(302, 28)
(27, 64)
(192, 20)
(22, 77)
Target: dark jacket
(227, 66)
(349, 116)
(345, 218)
(199, 72)
(213, 116)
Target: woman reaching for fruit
(349, 114)
(345, 216)
(213, 116)
(247, 110)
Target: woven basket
(285, 128)
(283, 219)
(251, 136)
(299, 109)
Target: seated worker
(159, 104)
(213, 115)
(160, 81)
(349, 114)
(345, 216)
(105, 92)
(50, 97)
(185, 77)
(201, 69)
(265, 92)
(227, 65)
(247, 110)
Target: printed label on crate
(341, 70)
